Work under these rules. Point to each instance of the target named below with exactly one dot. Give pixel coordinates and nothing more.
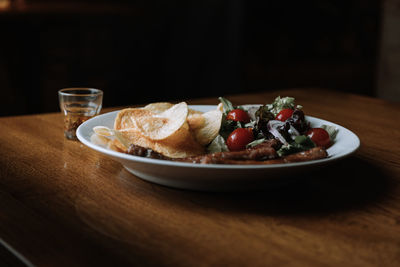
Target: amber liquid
(75, 115)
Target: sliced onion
(272, 128)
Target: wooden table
(63, 204)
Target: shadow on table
(349, 184)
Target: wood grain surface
(63, 204)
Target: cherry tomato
(284, 114)
(238, 115)
(239, 138)
(319, 136)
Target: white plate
(215, 177)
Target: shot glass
(78, 105)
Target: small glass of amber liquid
(78, 105)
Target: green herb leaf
(263, 115)
(300, 143)
(281, 103)
(228, 126)
(217, 145)
(255, 142)
(226, 104)
(332, 131)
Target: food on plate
(251, 134)
(155, 126)
(319, 136)
(172, 130)
(208, 128)
(238, 115)
(180, 144)
(239, 138)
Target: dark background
(146, 51)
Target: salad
(248, 126)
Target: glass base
(71, 135)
